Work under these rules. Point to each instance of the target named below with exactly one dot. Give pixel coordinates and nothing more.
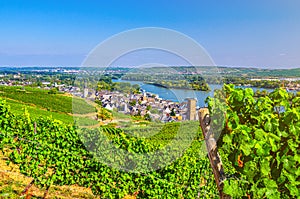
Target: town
(146, 104)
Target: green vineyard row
(53, 153)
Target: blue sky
(235, 33)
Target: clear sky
(258, 33)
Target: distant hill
(204, 70)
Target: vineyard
(39, 102)
(43, 100)
(53, 153)
(35, 112)
(258, 140)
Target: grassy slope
(59, 106)
(40, 98)
(39, 103)
(35, 112)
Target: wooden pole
(213, 155)
(25, 191)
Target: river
(179, 95)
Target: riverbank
(179, 95)
(206, 88)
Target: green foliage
(194, 82)
(126, 87)
(132, 103)
(36, 112)
(149, 107)
(102, 85)
(41, 99)
(259, 142)
(53, 91)
(56, 153)
(98, 102)
(104, 114)
(105, 83)
(147, 117)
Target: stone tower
(85, 90)
(191, 106)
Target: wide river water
(179, 95)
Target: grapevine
(259, 143)
(54, 153)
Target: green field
(40, 98)
(41, 104)
(35, 112)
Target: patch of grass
(85, 121)
(118, 115)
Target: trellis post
(213, 155)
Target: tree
(102, 85)
(98, 102)
(173, 112)
(104, 114)
(53, 91)
(148, 107)
(132, 103)
(148, 117)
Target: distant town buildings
(133, 104)
(147, 103)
